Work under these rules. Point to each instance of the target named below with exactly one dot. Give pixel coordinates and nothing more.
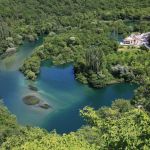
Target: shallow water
(14, 61)
(56, 86)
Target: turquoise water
(16, 60)
(56, 86)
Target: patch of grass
(128, 48)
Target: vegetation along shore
(87, 34)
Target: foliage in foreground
(117, 128)
(120, 126)
(142, 96)
(37, 139)
(8, 124)
(73, 29)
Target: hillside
(86, 34)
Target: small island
(32, 100)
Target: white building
(136, 39)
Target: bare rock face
(32, 37)
(72, 38)
(11, 50)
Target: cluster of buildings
(136, 39)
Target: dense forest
(86, 34)
(28, 19)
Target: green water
(56, 86)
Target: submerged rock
(31, 100)
(45, 106)
(36, 101)
(33, 88)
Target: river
(58, 87)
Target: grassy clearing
(128, 48)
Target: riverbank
(58, 87)
(100, 65)
(16, 60)
(96, 83)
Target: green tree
(95, 59)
